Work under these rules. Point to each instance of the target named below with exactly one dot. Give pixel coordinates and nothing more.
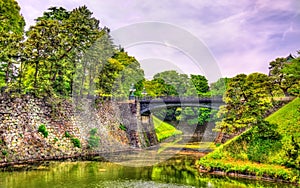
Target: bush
(76, 142)
(93, 140)
(122, 127)
(67, 134)
(4, 152)
(42, 129)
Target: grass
(164, 130)
(252, 154)
(287, 118)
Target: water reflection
(176, 172)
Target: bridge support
(140, 128)
(146, 126)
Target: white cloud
(243, 36)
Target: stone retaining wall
(21, 117)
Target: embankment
(272, 153)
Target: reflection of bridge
(147, 105)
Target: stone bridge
(136, 115)
(148, 105)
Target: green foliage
(219, 87)
(42, 129)
(200, 83)
(171, 83)
(247, 99)
(11, 34)
(158, 88)
(4, 152)
(179, 82)
(205, 115)
(288, 120)
(292, 71)
(122, 127)
(266, 149)
(117, 75)
(164, 130)
(67, 134)
(76, 142)
(51, 49)
(249, 168)
(285, 74)
(93, 140)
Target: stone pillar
(146, 128)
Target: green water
(178, 171)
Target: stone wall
(20, 118)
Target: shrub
(93, 140)
(67, 134)
(42, 129)
(122, 127)
(93, 131)
(76, 142)
(4, 152)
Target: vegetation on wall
(42, 129)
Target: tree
(159, 88)
(54, 47)
(247, 99)
(117, 75)
(11, 33)
(218, 88)
(180, 82)
(200, 83)
(292, 72)
(93, 66)
(279, 77)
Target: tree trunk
(36, 74)
(285, 91)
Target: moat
(168, 167)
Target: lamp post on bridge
(131, 92)
(144, 92)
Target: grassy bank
(164, 130)
(268, 154)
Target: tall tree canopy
(247, 99)
(280, 78)
(292, 71)
(180, 82)
(11, 33)
(200, 83)
(54, 48)
(218, 88)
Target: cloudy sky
(241, 37)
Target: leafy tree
(279, 77)
(218, 88)
(117, 75)
(54, 47)
(200, 83)
(158, 88)
(94, 67)
(292, 71)
(247, 99)
(11, 33)
(180, 82)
